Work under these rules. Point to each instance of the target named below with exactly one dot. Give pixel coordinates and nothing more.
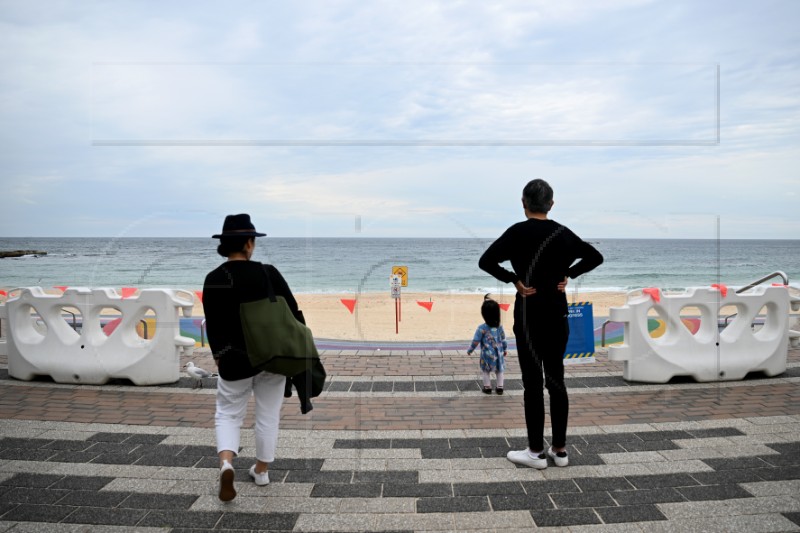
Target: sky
(402, 118)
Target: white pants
(232, 399)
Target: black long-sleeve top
(542, 253)
(227, 286)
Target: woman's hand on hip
(523, 290)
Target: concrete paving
(403, 440)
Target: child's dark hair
(490, 311)
(231, 245)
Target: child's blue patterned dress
(493, 346)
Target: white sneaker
(559, 458)
(527, 458)
(260, 479)
(227, 491)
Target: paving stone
(105, 516)
(723, 477)
(407, 443)
(446, 386)
(38, 513)
(417, 490)
(339, 386)
(158, 501)
(82, 483)
(312, 476)
(145, 438)
(562, 518)
(362, 443)
(794, 517)
(110, 437)
(479, 442)
(386, 476)
(595, 448)
(637, 497)
(589, 484)
(649, 445)
(116, 459)
(297, 464)
(382, 386)
(550, 486)
(361, 386)
(778, 474)
(74, 445)
(482, 489)
(425, 386)
(583, 499)
(258, 521)
(403, 386)
(24, 454)
(355, 490)
(520, 502)
(32, 480)
(167, 460)
(630, 513)
(458, 504)
(92, 498)
(713, 492)
(110, 447)
(73, 457)
(181, 518)
(734, 463)
(32, 495)
(662, 480)
(715, 432)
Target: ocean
(353, 265)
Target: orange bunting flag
(127, 292)
(654, 293)
(199, 295)
(504, 307)
(721, 287)
(109, 328)
(349, 304)
(426, 305)
(3, 293)
(62, 288)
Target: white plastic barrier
(709, 354)
(50, 346)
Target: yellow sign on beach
(401, 271)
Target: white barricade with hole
(709, 354)
(40, 342)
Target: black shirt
(227, 286)
(542, 253)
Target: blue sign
(581, 331)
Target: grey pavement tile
(759, 523)
(520, 502)
(82, 483)
(24, 454)
(74, 445)
(482, 489)
(339, 386)
(93, 498)
(459, 504)
(116, 459)
(38, 513)
(32, 495)
(735, 462)
(446, 386)
(386, 476)
(609, 437)
(479, 442)
(407, 443)
(649, 445)
(494, 451)
(425, 386)
(794, 517)
(110, 437)
(786, 447)
(105, 516)
(550, 486)
(713, 492)
(562, 518)
(32, 480)
(259, 521)
(362, 443)
(715, 432)
(417, 490)
(111, 447)
(372, 505)
(782, 460)
(361, 386)
(589, 484)
(158, 501)
(68, 456)
(340, 522)
(595, 448)
(773, 488)
(778, 474)
(167, 460)
(662, 480)
(355, 490)
(637, 497)
(181, 518)
(16, 442)
(382, 386)
(663, 435)
(630, 513)
(145, 438)
(297, 464)
(199, 451)
(435, 443)
(583, 499)
(312, 476)
(403, 386)
(722, 477)
(586, 459)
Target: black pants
(541, 342)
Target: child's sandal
(499, 390)
(487, 390)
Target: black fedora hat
(238, 226)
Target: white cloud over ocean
(421, 118)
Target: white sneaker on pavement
(559, 458)
(528, 458)
(227, 492)
(260, 479)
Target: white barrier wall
(51, 347)
(709, 354)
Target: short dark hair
(490, 310)
(538, 196)
(231, 245)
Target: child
(493, 343)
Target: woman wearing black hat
(236, 281)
